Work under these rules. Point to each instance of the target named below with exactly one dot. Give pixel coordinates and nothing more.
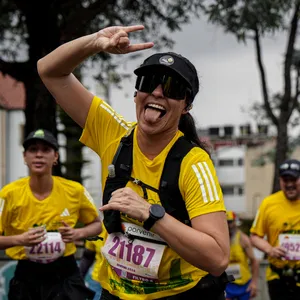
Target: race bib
(235, 270)
(48, 251)
(134, 259)
(291, 242)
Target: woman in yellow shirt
(38, 215)
(149, 251)
(241, 254)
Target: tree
(253, 20)
(38, 27)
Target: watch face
(157, 211)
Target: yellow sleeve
(199, 184)
(88, 211)
(102, 127)
(3, 210)
(259, 226)
(90, 245)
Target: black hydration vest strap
(122, 163)
(168, 192)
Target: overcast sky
(228, 74)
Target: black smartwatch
(156, 213)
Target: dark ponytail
(186, 122)
(188, 127)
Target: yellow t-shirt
(20, 210)
(239, 260)
(95, 246)
(277, 215)
(198, 185)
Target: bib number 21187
(137, 254)
(136, 260)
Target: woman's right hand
(115, 40)
(32, 237)
(277, 252)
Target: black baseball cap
(172, 62)
(290, 167)
(41, 135)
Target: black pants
(59, 280)
(183, 296)
(280, 289)
(204, 290)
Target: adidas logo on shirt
(65, 213)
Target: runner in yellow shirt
(38, 215)
(165, 233)
(241, 254)
(278, 219)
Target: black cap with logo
(290, 167)
(173, 62)
(41, 135)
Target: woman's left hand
(252, 288)
(128, 202)
(68, 233)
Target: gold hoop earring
(189, 107)
(55, 163)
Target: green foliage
(74, 158)
(296, 59)
(74, 18)
(240, 17)
(12, 30)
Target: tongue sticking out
(152, 115)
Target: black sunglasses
(291, 166)
(173, 87)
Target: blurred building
(230, 167)
(12, 104)
(239, 155)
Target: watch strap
(148, 224)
